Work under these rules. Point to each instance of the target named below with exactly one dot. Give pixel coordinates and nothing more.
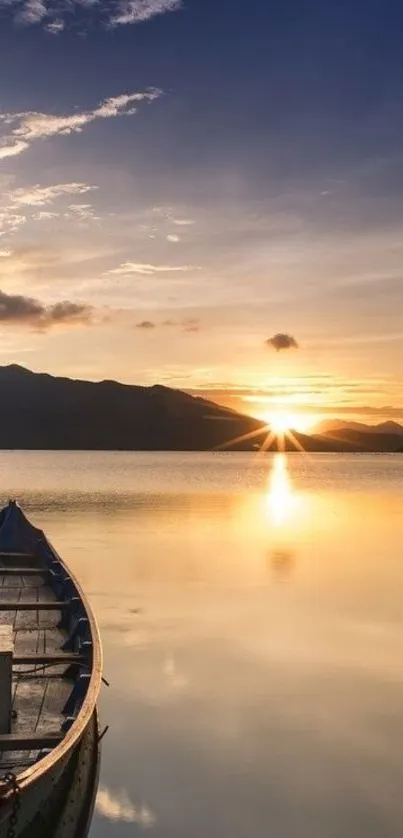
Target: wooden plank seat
(16, 559)
(24, 571)
(59, 658)
(30, 741)
(52, 605)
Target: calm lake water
(251, 610)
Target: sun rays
(276, 436)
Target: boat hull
(61, 805)
(53, 795)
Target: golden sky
(162, 216)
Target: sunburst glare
(281, 422)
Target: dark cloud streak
(189, 325)
(18, 310)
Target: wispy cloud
(145, 269)
(45, 216)
(12, 149)
(30, 126)
(191, 325)
(18, 310)
(55, 27)
(136, 11)
(17, 206)
(117, 806)
(38, 196)
(170, 215)
(183, 222)
(188, 325)
(54, 14)
(10, 221)
(82, 212)
(31, 11)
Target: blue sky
(190, 178)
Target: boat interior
(46, 649)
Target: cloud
(10, 221)
(55, 27)
(117, 806)
(38, 196)
(32, 11)
(190, 325)
(282, 341)
(30, 126)
(173, 239)
(145, 269)
(146, 324)
(13, 149)
(137, 11)
(19, 204)
(168, 213)
(183, 222)
(5, 253)
(16, 309)
(53, 14)
(81, 212)
(45, 216)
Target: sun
(280, 422)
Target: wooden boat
(50, 676)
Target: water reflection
(117, 806)
(282, 503)
(280, 496)
(282, 563)
(238, 707)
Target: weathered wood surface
(6, 673)
(49, 658)
(25, 742)
(34, 606)
(39, 691)
(24, 571)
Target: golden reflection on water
(281, 497)
(282, 504)
(238, 706)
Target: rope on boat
(40, 668)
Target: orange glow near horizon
(282, 421)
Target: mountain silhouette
(41, 411)
(327, 426)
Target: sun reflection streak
(281, 497)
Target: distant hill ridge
(41, 411)
(330, 425)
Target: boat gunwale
(71, 738)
